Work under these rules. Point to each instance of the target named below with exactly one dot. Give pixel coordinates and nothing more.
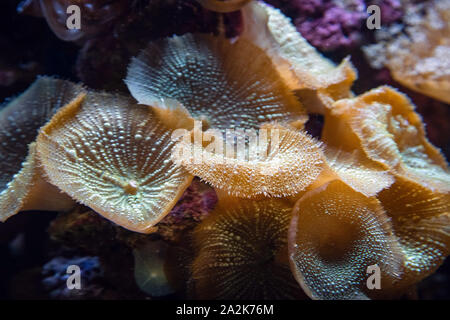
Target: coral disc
(242, 252)
(224, 84)
(382, 123)
(20, 120)
(283, 165)
(421, 221)
(113, 156)
(336, 233)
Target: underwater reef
(225, 149)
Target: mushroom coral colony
(295, 215)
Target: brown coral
(336, 233)
(21, 183)
(113, 156)
(383, 124)
(226, 85)
(242, 252)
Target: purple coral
(391, 10)
(326, 24)
(334, 27)
(194, 204)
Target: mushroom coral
(223, 5)
(383, 125)
(282, 162)
(336, 233)
(302, 67)
(421, 221)
(242, 251)
(21, 182)
(227, 85)
(355, 170)
(113, 156)
(418, 57)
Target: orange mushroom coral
(421, 220)
(283, 164)
(300, 64)
(113, 156)
(336, 233)
(382, 123)
(242, 252)
(21, 184)
(224, 84)
(355, 170)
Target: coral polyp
(20, 119)
(335, 234)
(421, 221)
(383, 124)
(282, 163)
(113, 156)
(299, 63)
(242, 252)
(355, 170)
(227, 85)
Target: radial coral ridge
(421, 220)
(337, 233)
(282, 162)
(383, 124)
(242, 252)
(300, 64)
(417, 56)
(227, 85)
(20, 120)
(113, 156)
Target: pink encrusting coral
(327, 24)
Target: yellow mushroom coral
(277, 162)
(242, 252)
(383, 125)
(21, 184)
(225, 84)
(300, 64)
(421, 221)
(335, 235)
(113, 156)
